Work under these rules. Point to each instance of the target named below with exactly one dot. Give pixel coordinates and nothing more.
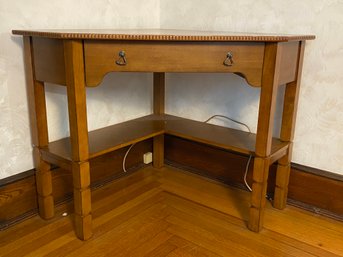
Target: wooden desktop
(80, 58)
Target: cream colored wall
(121, 97)
(319, 130)
(319, 133)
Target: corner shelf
(218, 136)
(104, 140)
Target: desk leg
(44, 187)
(158, 151)
(43, 172)
(39, 134)
(76, 91)
(258, 197)
(287, 133)
(281, 184)
(82, 200)
(264, 134)
(158, 108)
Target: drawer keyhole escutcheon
(229, 59)
(122, 59)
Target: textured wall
(108, 104)
(319, 130)
(319, 133)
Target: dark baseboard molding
(318, 172)
(16, 178)
(310, 189)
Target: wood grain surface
(101, 57)
(160, 35)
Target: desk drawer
(103, 56)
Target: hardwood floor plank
(140, 236)
(189, 248)
(162, 250)
(31, 245)
(180, 252)
(151, 244)
(125, 196)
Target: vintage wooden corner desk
(80, 59)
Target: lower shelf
(222, 137)
(108, 139)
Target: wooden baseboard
(314, 190)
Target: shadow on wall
(120, 97)
(199, 96)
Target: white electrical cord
(225, 117)
(250, 156)
(124, 160)
(246, 173)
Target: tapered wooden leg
(258, 196)
(76, 92)
(271, 69)
(291, 98)
(44, 187)
(281, 187)
(158, 156)
(82, 200)
(39, 134)
(282, 179)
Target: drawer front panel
(140, 56)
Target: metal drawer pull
(122, 59)
(229, 59)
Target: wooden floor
(170, 212)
